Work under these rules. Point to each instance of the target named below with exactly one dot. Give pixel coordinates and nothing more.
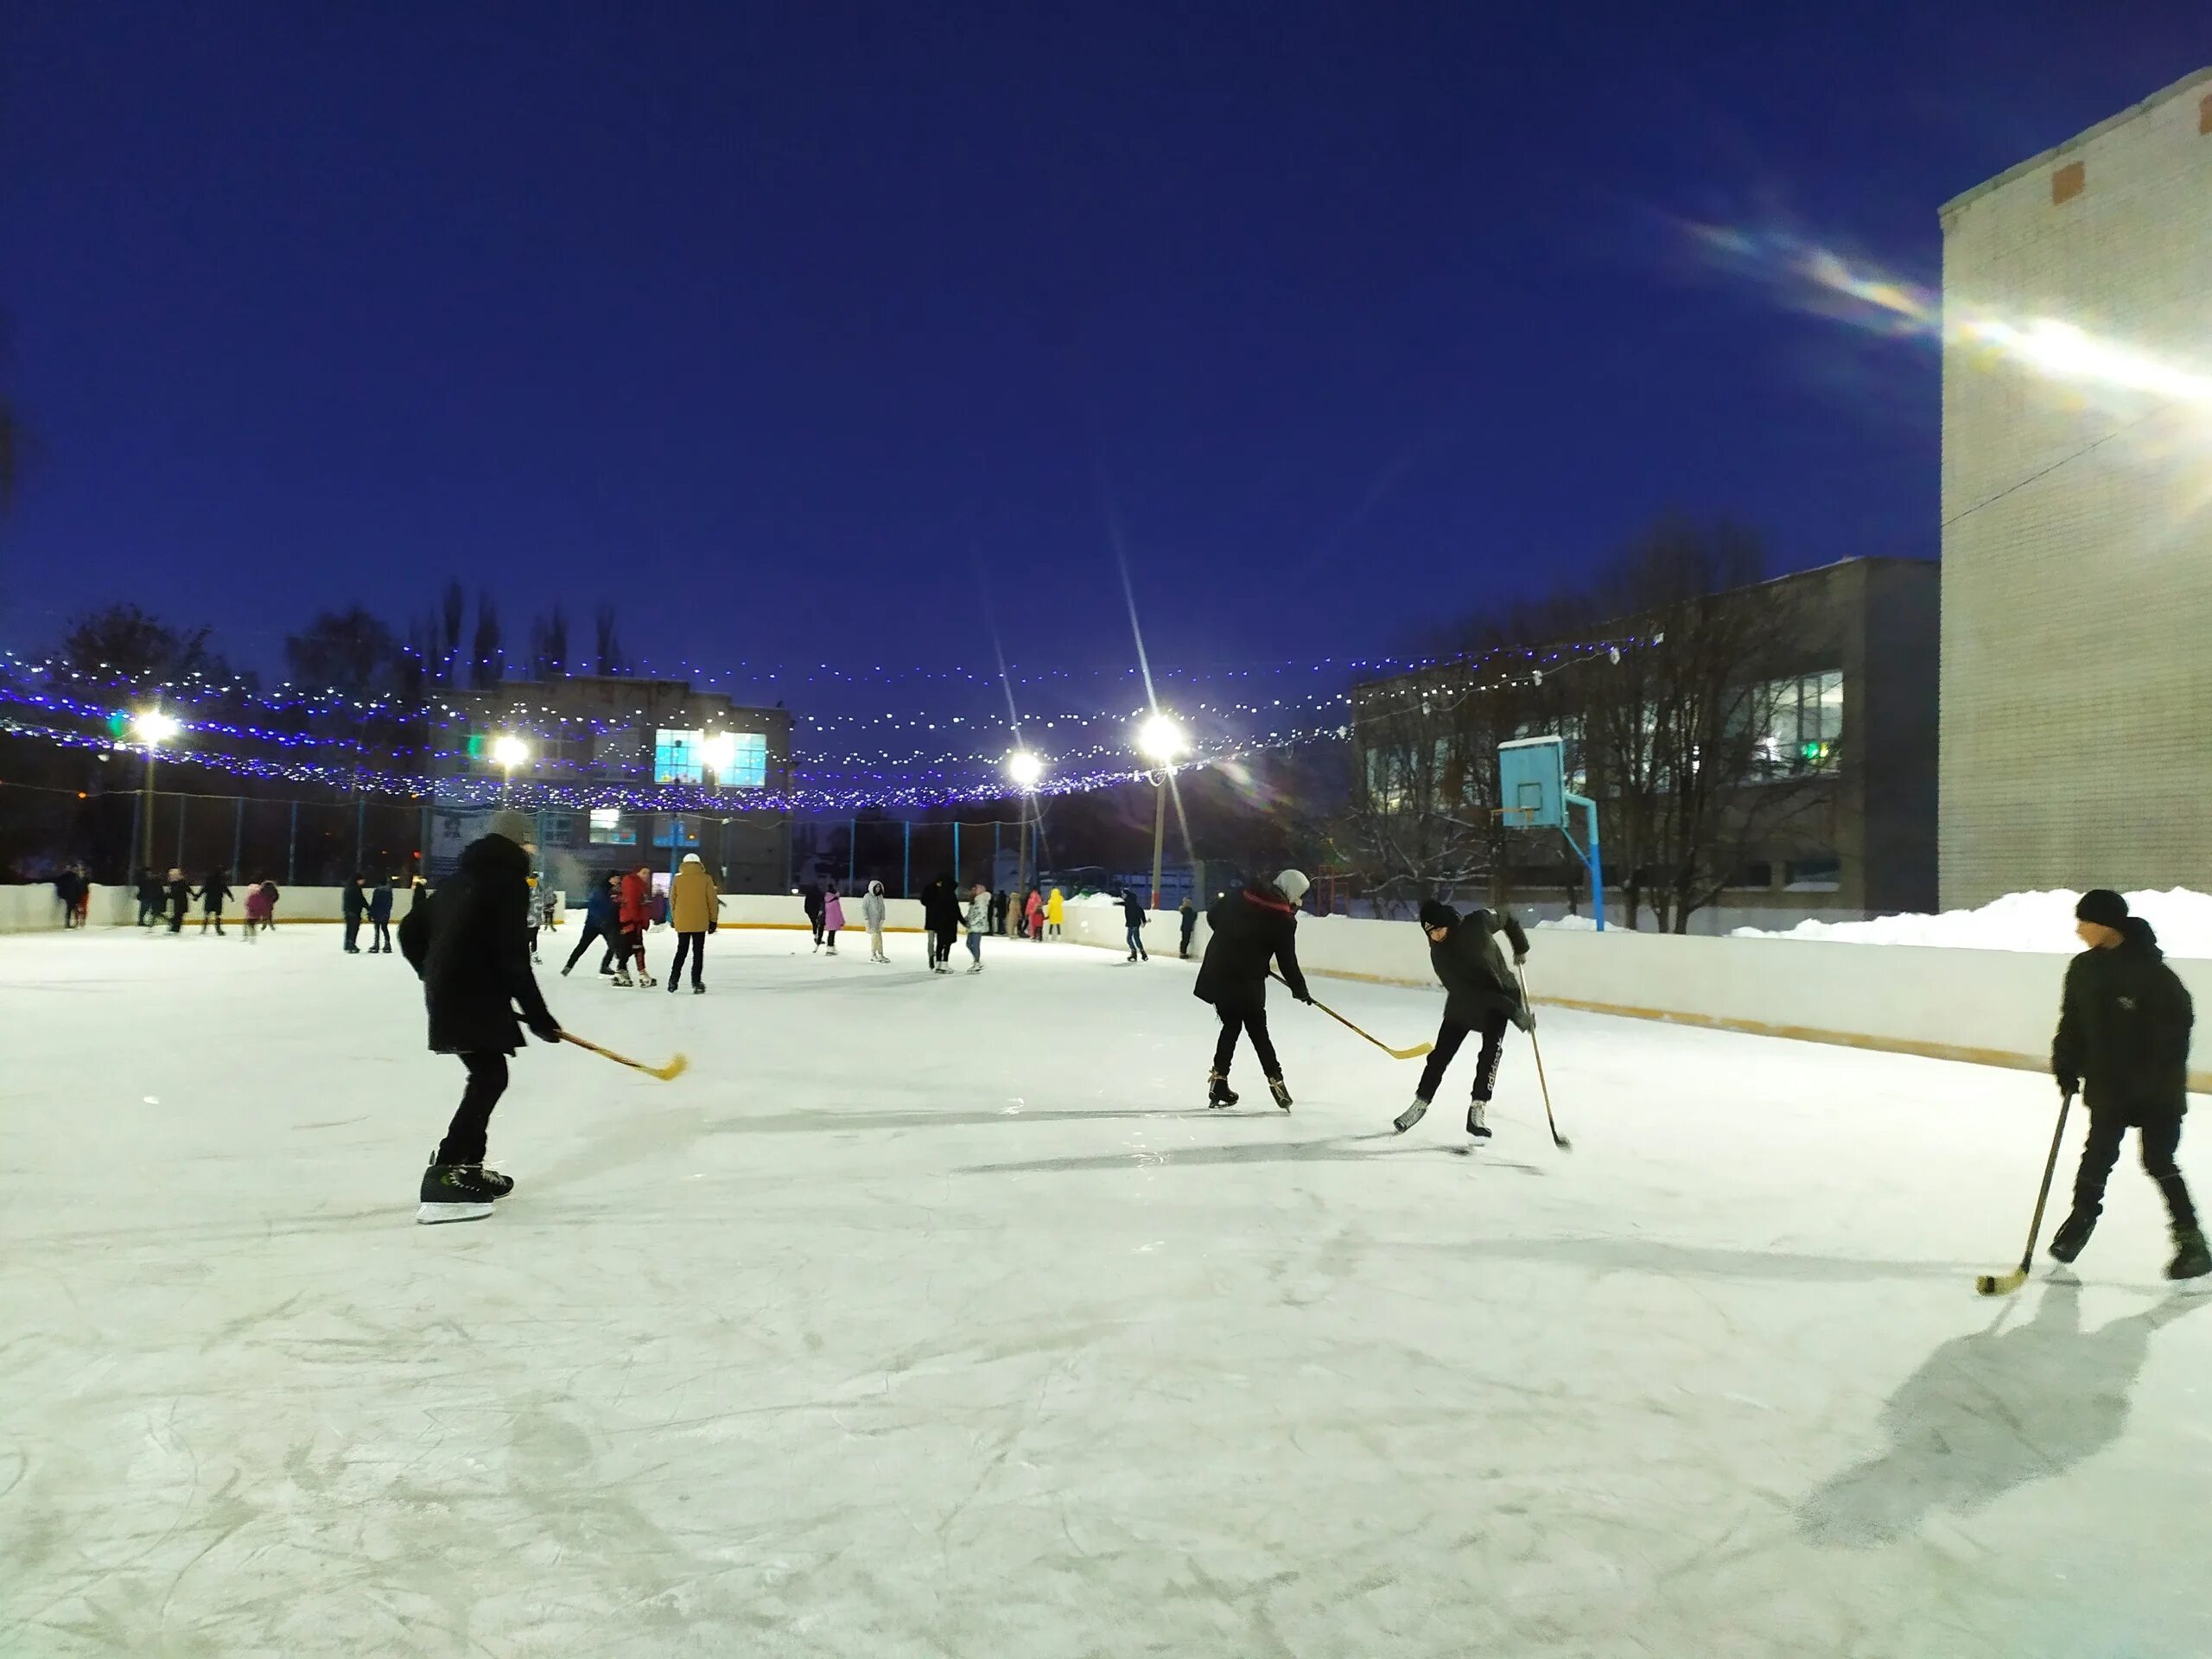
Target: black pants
(352, 933)
(176, 921)
(1254, 1025)
(487, 1080)
(694, 947)
(2161, 1136)
(383, 933)
(817, 920)
(1449, 1036)
(593, 934)
(211, 918)
(945, 939)
(1189, 928)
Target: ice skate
(460, 1192)
(2191, 1259)
(1411, 1115)
(1281, 1090)
(977, 968)
(1477, 1120)
(647, 981)
(698, 990)
(621, 976)
(2073, 1233)
(1218, 1093)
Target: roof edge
(1951, 208)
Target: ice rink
(934, 1317)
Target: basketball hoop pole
(1591, 859)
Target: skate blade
(1407, 1119)
(430, 1214)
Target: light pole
(154, 729)
(510, 751)
(1024, 769)
(1162, 741)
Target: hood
(493, 853)
(875, 888)
(2138, 939)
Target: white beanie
(691, 858)
(1292, 883)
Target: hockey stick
(1558, 1140)
(1394, 1053)
(675, 1068)
(2004, 1284)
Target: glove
(2069, 1087)
(545, 1028)
(1306, 997)
(1525, 1017)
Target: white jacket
(873, 910)
(979, 913)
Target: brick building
(2077, 513)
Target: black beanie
(1436, 913)
(2103, 906)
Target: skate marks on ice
(1337, 1149)
(1991, 1411)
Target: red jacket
(636, 894)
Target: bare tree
(608, 656)
(484, 653)
(349, 651)
(124, 643)
(453, 611)
(548, 645)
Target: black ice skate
(2191, 1259)
(1411, 1115)
(1281, 1090)
(1218, 1093)
(460, 1192)
(2073, 1233)
(1478, 1123)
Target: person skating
(256, 909)
(1251, 929)
(467, 945)
(873, 909)
(941, 913)
(978, 923)
(603, 922)
(2123, 1045)
(269, 921)
(1034, 913)
(1135, 916)
(812, 896)
(150, 895)
(180, 897)
(693, 899)
(353, 904)
(833, 916)
(380, 920)
(999, 905)
(211, 902)
(64, 894)
(636, 916)
(1056, 913)
(1480, 994)
(1190, 914)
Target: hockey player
(2123, 1043)
(1251, 929)
(467, 943)
(873, 911)
(1481, 994)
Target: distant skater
(150, 895)
(1481, 994)
(1252, 929)
(467, 943)
(833, 916)
(941, 912)
(211, 902)
(1135, 916)
(353, 906)
(1034, 911)
(872, 911)
(693, 899)
(978, 923)
(257, 910)
(636, 918)
(380, 919)
(181, 896)
(1056, 913)
(602, 924)
(269, 921)
(1190, 914)
(2123, 1044)
(811, 895)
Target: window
(679, 757)
(1820, 872)
(1797, 725)
(674, 831)
(747, 757)
(608, 829)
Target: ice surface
(2019, 921)
(927, 1316)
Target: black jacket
(941, 907)
(2123, 1030)
(1478, 980)
(354, 902)
(1250, 930)
(1133, 910)
(180, 895)
(816, 907)
(214, 892)
(380, 905)
(468, 941)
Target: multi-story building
(2078, 511)
(1837, 710)
(622, 750)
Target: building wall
(2077, 543)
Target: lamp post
(1162, 741)
(1024, 770)
(154, 729)
(510, 751)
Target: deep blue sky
(800, 328)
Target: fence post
(906, 865)
(237, 837)
(360, 828)
(853, 857)
(181, 802)
(292, 848)
(956, 853)
(130, 866)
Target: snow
(927, 1316)
(2019, 921)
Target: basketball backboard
(1532, 784)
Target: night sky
(859, 332)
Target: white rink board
(928, 1316)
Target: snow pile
(2019, 921)
(1572, 925)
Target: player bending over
(1481, 994)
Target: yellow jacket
(1055, 908)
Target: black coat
(214, 892)
(180, 896)
(468, 941)
(816, 907)
(1251, 929)
(380, 905)
(1478, 980)
(941, 907)
(2123, 1029)
(354, 902)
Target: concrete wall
(2077, 553)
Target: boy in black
(1251, 930)
(468, 942)
(2123, 1044)
(1481, 994)
(1189, 925)
(210, 901)
(380, 919)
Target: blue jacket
(599, 910)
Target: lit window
(608, 829)
(739, 760)
(679, 757)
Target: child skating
(1481, 994)
(2123, 1045)
(468, 944)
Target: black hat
(2103, 906)
(1436, 913)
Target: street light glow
(720, 752)
(510, 751)
(1023, 768)
(156, 728)
(1162, 740)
